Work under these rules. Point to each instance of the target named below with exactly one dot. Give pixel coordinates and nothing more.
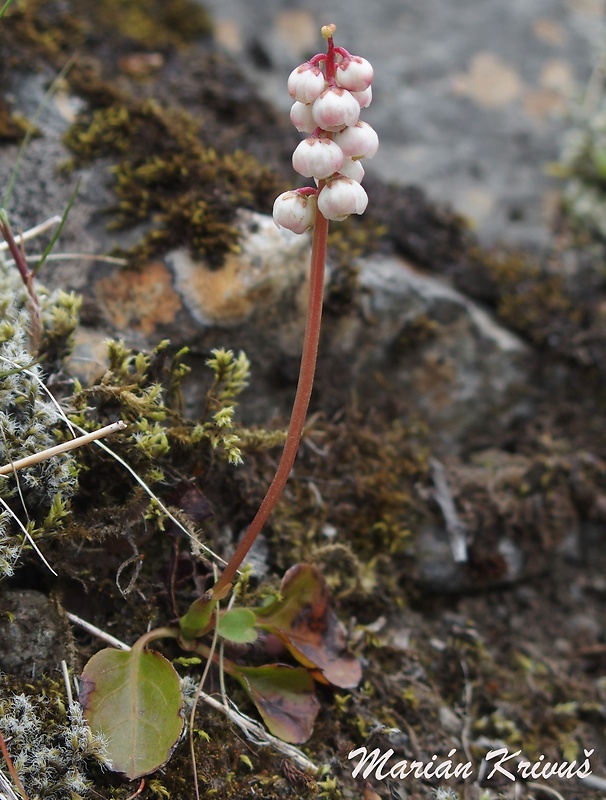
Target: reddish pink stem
(27, 276)
(330, 62)
(7, 235)
(11, 768)
(300, 405)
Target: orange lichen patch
(591, 8)
(490, 82)
(221, 295)
(268, 263)
(544, 103)
(141, 65)
(557, 87)
(228, 34)
(139, 301)
(549, 31)
(298, 30)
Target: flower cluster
(329, 92)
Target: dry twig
(72, 444)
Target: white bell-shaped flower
(352, 169)
(354, 73)
(317, 157)
(302, 118)
(295, 210)
(342, 197)
(358, 141)
(306, 83)
(335, 108)
(364, 98)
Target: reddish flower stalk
(27, 276)
(11, 768)
(299, 410)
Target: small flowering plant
(329, 91)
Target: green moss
(414, 333)
(134, 388)
(359, 488)
(165, 173)
(531, 299)
(153, 24)
(13, 127)
(144, 390)
(34, 32)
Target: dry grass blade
(43, 455)
(27, 535)
(5, 8)
(31, 233)
(90, 628)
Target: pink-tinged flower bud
(359, 141)
(302, 118)
(317, 157)
(335, 108)
(364, 98)
(295, 211)
(342, 197)
(354, 73)
(306, 83)
(352, 169)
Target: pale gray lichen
(445, 793)
(52, 747)
(29, 420)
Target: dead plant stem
(72, 444)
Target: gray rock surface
(455, 374)
(34, 636)
(470, 97)
(440, 354)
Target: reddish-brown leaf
(304, 622)
(284, 697)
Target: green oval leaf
(238, 625)
(134, 699)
